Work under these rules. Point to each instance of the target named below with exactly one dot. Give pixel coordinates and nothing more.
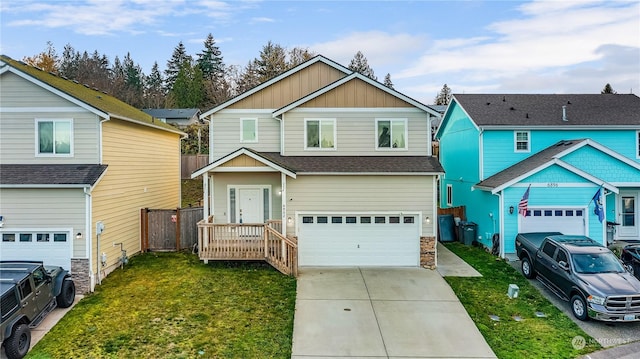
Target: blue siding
(602, 165)
(498, 146)
(555, 174)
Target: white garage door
(51, 247)
(358, 240)
(563, 220)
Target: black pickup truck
(583, 272)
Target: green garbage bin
(468, 231)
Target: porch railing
(246, 241)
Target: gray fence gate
(169, 229)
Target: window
(391, 134)
(562, 257)
(549, 249)
(638, 142)
(307, 219)
(54, 137)
(365, 219)
(350, 220)
(322, 219)
(248, 130)
(409, 220)
(59, 237)
(380, 220)
(449, 195)
(521, 141)
(394, 219)
(8, 237)
(320, 134)
(42, 237)
(336, 219)
(25, 288)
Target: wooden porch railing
(260, 241)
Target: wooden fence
(169, 229)
(459, 212)
(190, 163)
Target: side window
(54, 137)
(391, 134)
(449, 195)
(248, 130)
(562, 257)
(638, 143)
(320, 134)
(549, 249)
(25, 288)
(522, 141)
(39, 277)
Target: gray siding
(23, 103)
(221, 197)
(362, 193)
(356, 133)
(46, 208)
(225, 133)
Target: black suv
(29, 291)
(631, 258)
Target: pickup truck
(29, 291)
(582, 271)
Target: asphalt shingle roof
(546, 110)
(58, 174)
(355, 164)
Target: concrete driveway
(381, 313)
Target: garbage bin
(468, 232)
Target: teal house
(534, 163)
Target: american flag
(524, 202)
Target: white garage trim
(25, 245)
(386, 238)
(566, 220)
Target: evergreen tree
(69, 62)
(387, 81)
(608, 90)
(248, 78)
(154, 92)
(444, 97)
(298, 55)
(359, 64)
(210, 60)
(271, 63)
(188, 88)
(174, 65)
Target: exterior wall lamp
(79, 235)
(511, 209)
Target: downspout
(501, 219)
(88, 235)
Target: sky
(472, 46)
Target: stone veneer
(80, 274)
(428, 252)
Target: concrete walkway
(450, 265)
(381, 313)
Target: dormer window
(522, 141)
(249, 130)
(54, 137)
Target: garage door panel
(52, 248)
(353, 244)
(563, 220)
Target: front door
(628, 213)
(250, 208)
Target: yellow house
(76, 167)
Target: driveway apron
(381, 313)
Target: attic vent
(64, 77)
(527, 115)
(52, 73)
(76, 82)
(87, 86)
(512, 108)
(488, 103)
(568, 102)
(504, 99)
(564, 113)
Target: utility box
(513, 290)
(468, 232)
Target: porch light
(289, 220)
(511, 209)
(79, 235)
(428, 220)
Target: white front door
(628, 215)
(250, 206)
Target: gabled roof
(550, 156)
(100, 103)
(17, 175)
(344, 80)
(318, 58)
(529, 110)
(358, 165)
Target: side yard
(170, 305)
(519, 332)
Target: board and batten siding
(358, 194)
(356, 94)
(225, 133)
(46, 208)
(356, 133)
(22, 102)
(143, 172)
(291, 88)
(221, 181)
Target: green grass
(170, 305)
(191, 192)
(533, 337)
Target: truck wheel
(527, 268)
(67, 294)
(17, 345)
(579, 307)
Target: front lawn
(531, 337)
(171, 305)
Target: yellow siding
(356, 93)
(144, 171)
(362, 194)
(291, 88)
(243, 161)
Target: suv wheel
(527, 268)
(67, 294)
(579, 307)
(17, 345)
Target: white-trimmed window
(54, 137)
(391, 134)
(248, 130)
(638, 143)
(522, 141)
(449, 195)
(320, 134)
